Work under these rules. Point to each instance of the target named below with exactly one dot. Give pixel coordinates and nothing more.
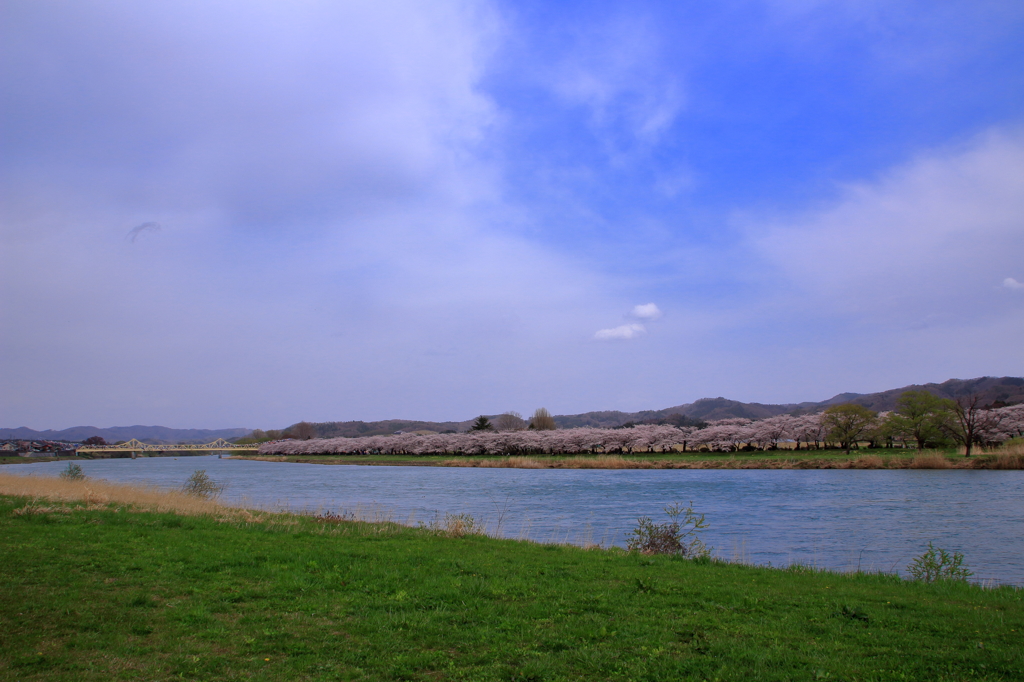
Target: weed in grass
(938, 564)
(850, 613)
(73, 472)
(678, 536)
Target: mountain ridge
(993, 390)
(149, 434)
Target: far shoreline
(865, 460)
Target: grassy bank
(777, 459)
(95, 588)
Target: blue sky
(246, 214)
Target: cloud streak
(621, 333)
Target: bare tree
(303, 431)
(542, 420)
(510, 421)
(969, 420)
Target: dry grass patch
(1009, 460)
(101, 494)
(869, 462)
(932, 460)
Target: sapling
(73, 472)
(201, 485)
(678, 536)
(938, 564)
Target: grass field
(94, 587)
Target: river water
(838, 519)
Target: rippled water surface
(840, 519)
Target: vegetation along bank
(104, 582)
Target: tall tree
(482, 423)
(918, 415)
(303, 431)
(542, 421)
(846, 423)
(969, 420)
(510, 421)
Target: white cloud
(626, 331)
(647, 311)
(1011, 283)
(921, 239)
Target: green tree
(919, 415)
(846, 423)
(482, 423)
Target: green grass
(100, 594)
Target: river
(838, 519)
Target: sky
(221, 214)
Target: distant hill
(996, 391)
(993, 390)
(147, 434)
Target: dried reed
(102, 493)
(869, 462)
(1009, 460)
(931, 460)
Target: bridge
(136, 446)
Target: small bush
(678, 536)
(938, 564)
(457, 526)
(201, 485)
(73, 472)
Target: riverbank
(103, 582)
(785, 459)
(18, 459)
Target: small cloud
(144, 227)
(647, 311)
(1011, 283)
(626, 331)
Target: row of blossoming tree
(810, 431)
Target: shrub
(72, 473)
(678, 536)
(938, 564)
(201, 485)
(457, 526)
